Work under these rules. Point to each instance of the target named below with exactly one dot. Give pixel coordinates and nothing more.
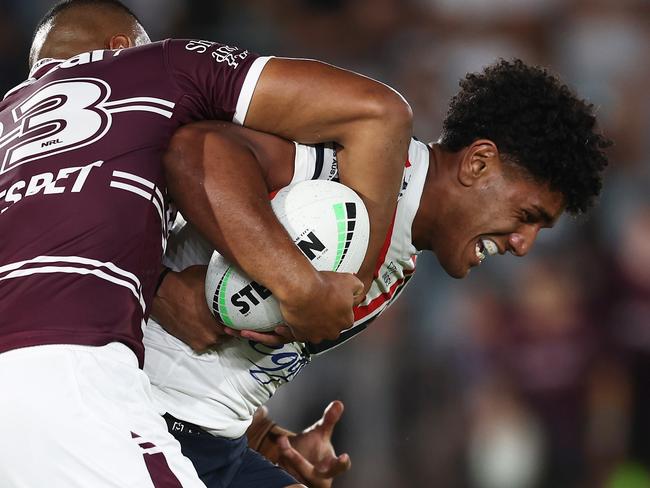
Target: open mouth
(485, 248)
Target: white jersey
(220, 390)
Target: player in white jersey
(239, 376)
(221, 389)
(488, 186)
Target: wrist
(299, 287)
(269, 446)
(258, 431)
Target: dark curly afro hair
(536, 122)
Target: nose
(521, 242)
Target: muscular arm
(223, 195)
(310, 102)
(223, 192)
(274, 156)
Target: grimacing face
(504, 213)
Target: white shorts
(81, 416)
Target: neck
(426, 223)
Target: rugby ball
(326, 220)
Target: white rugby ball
(328, 222)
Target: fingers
(232, 332)
(270, 339)
(314, 476)
(285, 331)
(295, 463)
(335, 467)
(331, 416)
(359, 291)
(328, 311)
(280, 336)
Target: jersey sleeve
(186, 246)
(214, 81)
(315, 162)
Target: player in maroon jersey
(84, 215)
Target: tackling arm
(309, 102)
(306, 101)
(218, 184)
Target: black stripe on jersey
(320, 158)
(350, 333)
(345, 336)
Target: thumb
(358, 290)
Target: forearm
(223, 193)
(377, 184)
(370, 121)
(262, 436)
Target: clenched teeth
(479, 252)
(485, 248)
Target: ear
(119, 41)
(478, 159)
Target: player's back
(83, 210)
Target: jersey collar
(41, 68)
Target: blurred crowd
(529, 373)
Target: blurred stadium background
(530, 373)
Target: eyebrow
(544, 216)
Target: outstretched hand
(310, 456)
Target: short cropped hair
(64, 5)
(537, 123)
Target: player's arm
(306, 101)
(218, 185)
(309, 102)
(179, 303)
(309, 456)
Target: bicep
(310, 101)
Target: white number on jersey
(62, 116)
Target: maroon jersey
(83, 206)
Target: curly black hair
(536, 122)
